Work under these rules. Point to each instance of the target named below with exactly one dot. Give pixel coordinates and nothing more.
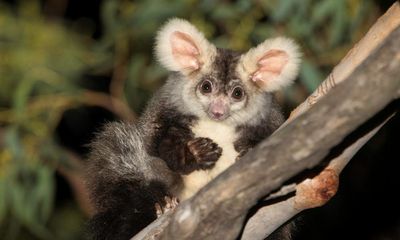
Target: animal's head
(222, 84)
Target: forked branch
(218, 210)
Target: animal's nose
(218, 109)
(217, 114)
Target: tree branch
(112, 104)
(269, 218)
(377, 34)
(316, 192)
(218, 210)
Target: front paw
(169, 204)
(205, 152)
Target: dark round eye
(238, 93)
(206, 87)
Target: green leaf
(225, 12)
(283, 10)
(22, 94)
(310, 76)
(339, 24)
(19, 208)
(322, 10)
(3, 199)
(44, 192)
(108, 16)
(12, 142)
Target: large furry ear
(271, 65)
(181, 47)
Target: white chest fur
(223, 135)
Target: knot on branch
(316, 192)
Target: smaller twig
(88, 97)
(267, 219)
(207, 220)
(283, 191)
(310, 193)
(112, 104)
(316, 192)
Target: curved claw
(170, 203)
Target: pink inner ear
(270, 65)
(185, 51)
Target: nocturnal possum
(215, 106)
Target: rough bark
(376, 35)
(317, 191)
(218, 210)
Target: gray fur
(134, 166)
(118, 152)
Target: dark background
(366, 205)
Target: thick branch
(317, 191)
(377, 34)
(218, 210)
(269, 218)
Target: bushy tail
(124, 182)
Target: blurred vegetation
(45, 62)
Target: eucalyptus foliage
(43, 64)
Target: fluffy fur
(125, 182)
(163, 48)
(222, 134)
(249, 62)
(178, 145)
